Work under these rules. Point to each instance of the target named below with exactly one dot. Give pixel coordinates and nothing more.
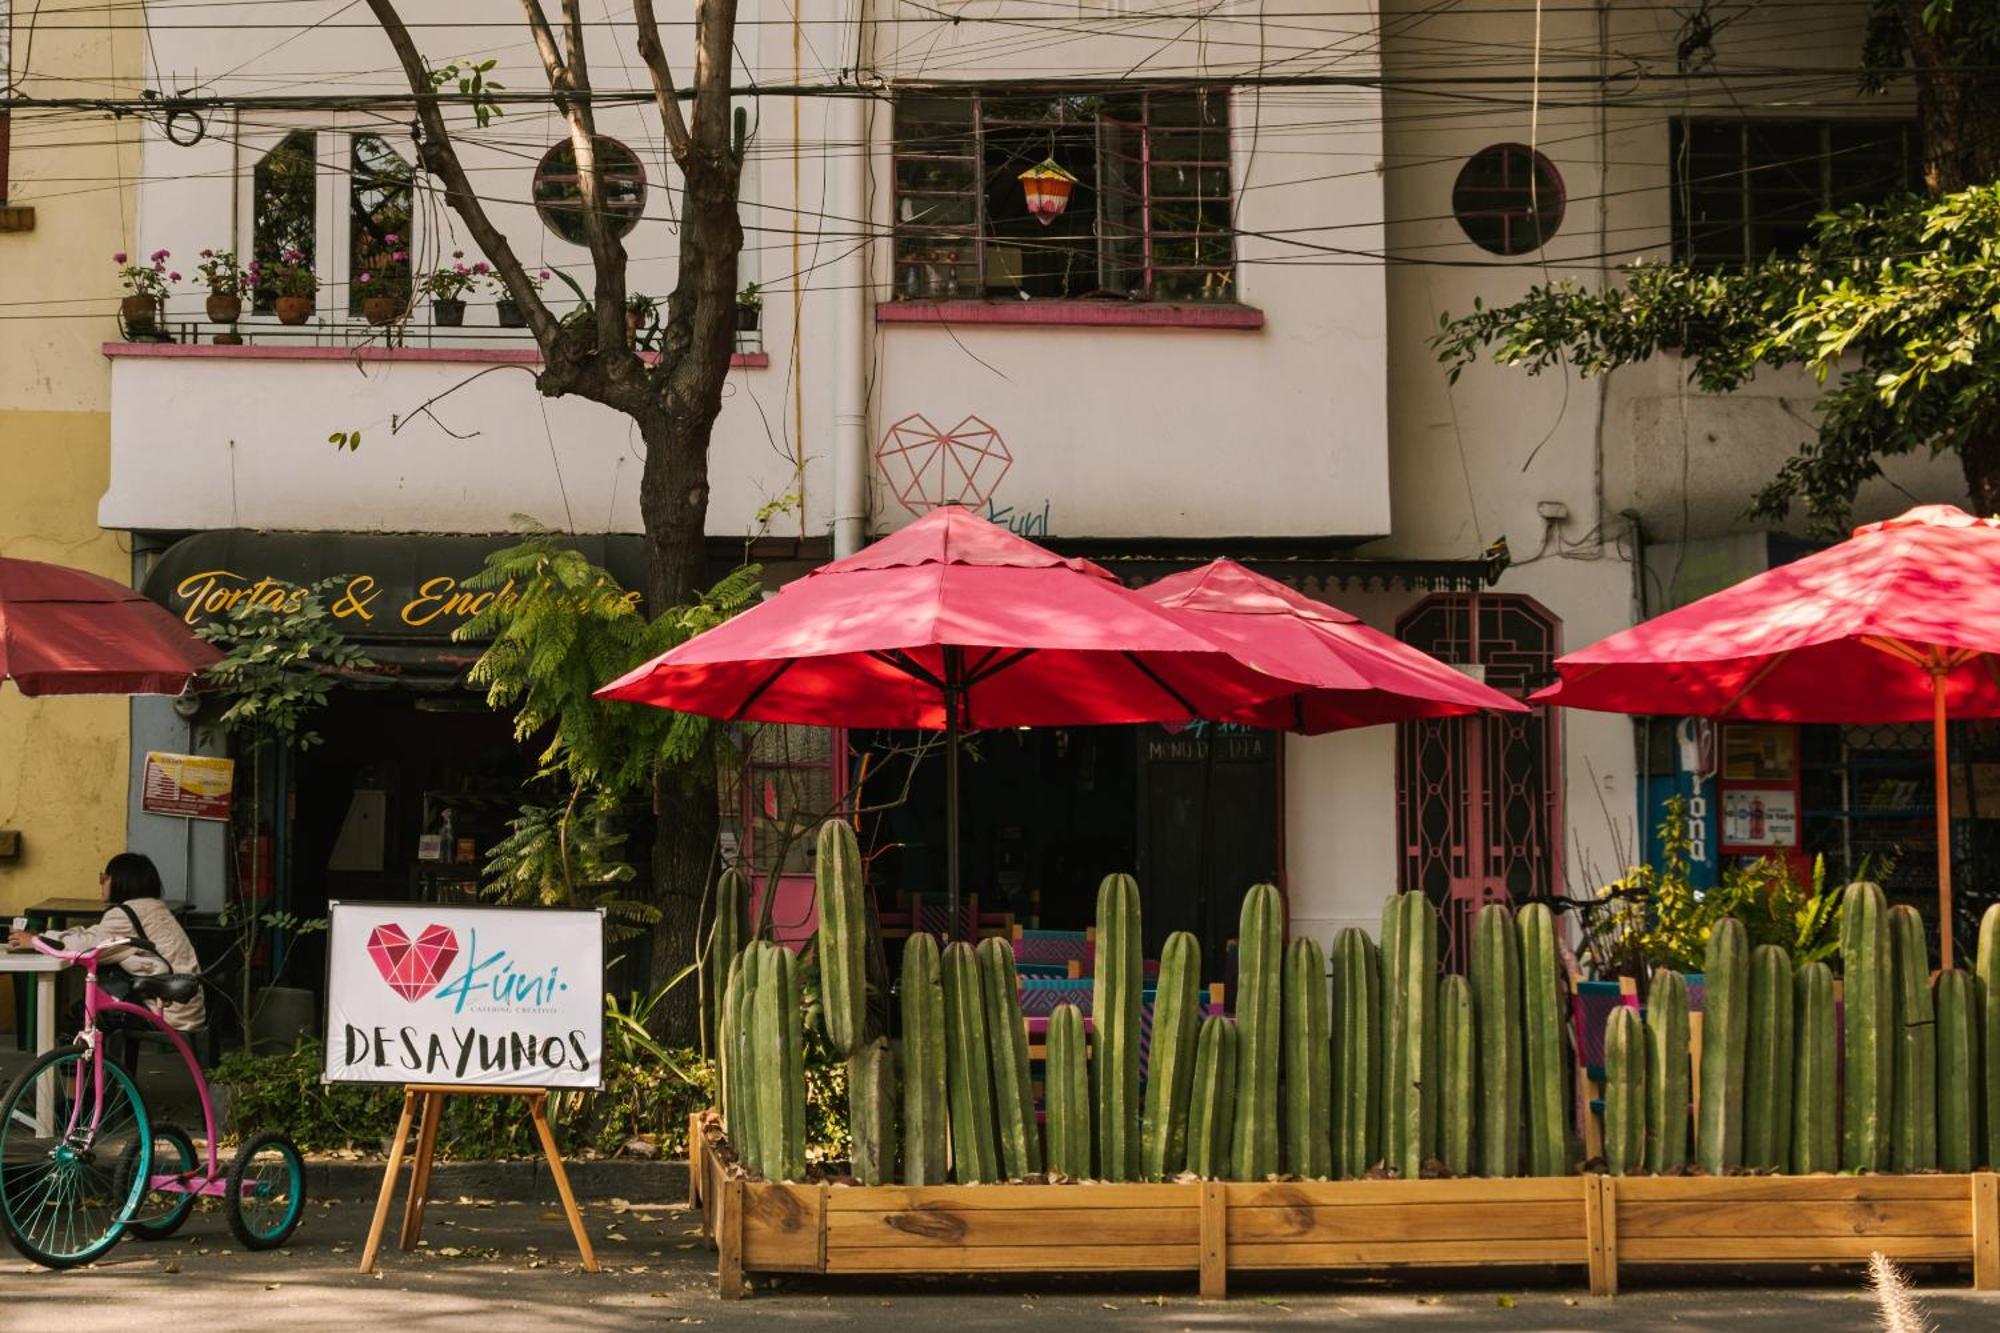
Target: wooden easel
(433, 1096)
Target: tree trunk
(1958, 106)
(1979, 455)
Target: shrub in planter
(749, 309)
(447, 286)
(506, 308)
(146, 290)
(291, 284)
(228, 282)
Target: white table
(45, 969)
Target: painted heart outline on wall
(413, 968)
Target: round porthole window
(1509, 199)
(559, 195)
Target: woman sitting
(156, 943)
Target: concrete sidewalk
(495, 1267)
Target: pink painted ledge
(1061, 314)
(485, 356)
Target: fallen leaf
(270, 1286)
(1504, 1302)
(171, 1268)
(449, 1252)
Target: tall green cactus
(1725, 1032)
(843, 936)
(779, 1074)
(1007, 1043)
(926, 1143)
(726, 934)
(871, 1112)
(1458, 1074)
(1308, 1080)
(1115, 1003)
(1066, 1087)
(1767, 1062)
(1545, 1068)
(1260, 942)
(1913, 1114)
(1868, 1078)
(1356, 1026)
(1815, 1074)
(748, 1120)
(1410, 1034)
(1625, 1098)
(1987, 972)
(1955, 999)
(1212, 1116)
(1496, 1010)
(1170, 1071)
(968, 1066)
(1669, 1075)
(728, 1069)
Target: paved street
(509, 1266)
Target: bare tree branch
(607, 251)
(655, 56)
(440, 158)
(552, 57)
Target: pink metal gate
(1479, 811)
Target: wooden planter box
(1215, 1228)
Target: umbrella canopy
(63, 631)
(1897, 624)
(952, 608)
(1353, 676)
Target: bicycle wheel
(63, 1195)
(267, 1191)
(161, 1212)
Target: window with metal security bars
(1747, 189)
(1149, 216)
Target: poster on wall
(1760, 818)
(191, 786)
(469, 996)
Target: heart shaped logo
(413, 968)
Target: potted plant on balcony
(447, 287)
(384, 287)
(228, 282)
(506, 308)
(749, 309)
(642, 321)
(146, 289)
(292, 285)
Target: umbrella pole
(953, 695)
(1943, 804)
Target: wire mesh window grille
(1149, 217)
(1746, 189)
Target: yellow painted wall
(63, 761)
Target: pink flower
(118, 258)
(173, 277)
(543, 275)
(392, 239)
(160, 255)
(208, 254)
(367, 277)
(400, 255)
(458, 254)
(482, 268)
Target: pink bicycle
(82, 1162)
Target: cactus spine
(1409, 1036)
(1625, 1099)
(1956, 1002)
(926, 1150)
(871, 1112)
(1542, 1061)
(1987, 973)
(1356, 1025)
(968, 1068)
(1212, 1115)
(1007, 1042)
(1767, 1061)
(1458, 1074)
(1115, 1012)
(1815, 1076)
(843, 937)
(1913, 1115)
(1725, 1030)
(1668, 1072)
(1170, 1071)
(1308, 1079)
(1496, 1011)
(1260, 943)
(779, 1072)
(1066, 1080)
(725, 942)
(1868, 1017)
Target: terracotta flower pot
(140, 313)
(294, 309)
(224, 308)
(509, 313)
(447, 313)
(381, 309)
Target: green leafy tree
(1895, 308)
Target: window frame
(1546, 217)
(977, 236)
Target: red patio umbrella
(63, 631)
(952, 623)
(1353, 676)
(1897, 624)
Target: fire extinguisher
(256, 864)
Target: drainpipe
(853, 330)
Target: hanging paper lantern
(1047, 187)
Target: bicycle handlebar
(42, 946)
